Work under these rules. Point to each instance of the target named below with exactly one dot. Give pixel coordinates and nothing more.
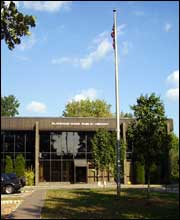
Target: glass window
(44, 155)
(55, 142)
(62, 144)
(79, 143)
(9, 142)
(30, 142)
(30, 163)
(56, 170)
(80, 155)
(68, 148)
(30, 156)
(20, 143)
(44, 142)
(44, 170)
(67, 170)
(89, 138)
(2, 142)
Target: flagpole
(117, 108)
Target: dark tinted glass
(9, 142)
(30, 141)
(20, 142)
(45, 142)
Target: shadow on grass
(103, 204)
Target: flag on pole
(113, 36)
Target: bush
(29, 174)
(20, 165)
(139, 173)
(9, 165)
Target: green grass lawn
(103, 204)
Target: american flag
(113, 36)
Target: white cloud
(90, 94)
(103, 48)
(126, 45)
(49, 6)
(100, 47)
(167, 27)
(100, 37)
(23, 58)
(36, 107)
(139, 13)
(120, 29)
(67, 60)
(28, 43)
(173, 79)
(173, 94)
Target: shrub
(139, 173)
(9, 165)
(20, 165)
(29, 174)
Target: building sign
(81, 123)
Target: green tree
(14, 24)
(174, 157)
(103, 150)
(9, 106)
(148, 131)
(87, 108)
(8, 165)
(20, 165)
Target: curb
(10, 201)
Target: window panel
(20, 143)
(56, 170)
(9, 142)
(44, 142)
(89, 138)
(30, 142)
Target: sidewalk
(57, 185)
(31, 206)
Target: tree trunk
(103, 178)
(148, 188)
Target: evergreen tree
(8, 165)
(20, 165)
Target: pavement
(31, 207)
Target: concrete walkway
(31, 206)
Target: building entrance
(81, 174)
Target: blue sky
(69, 55)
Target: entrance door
(81, 174)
